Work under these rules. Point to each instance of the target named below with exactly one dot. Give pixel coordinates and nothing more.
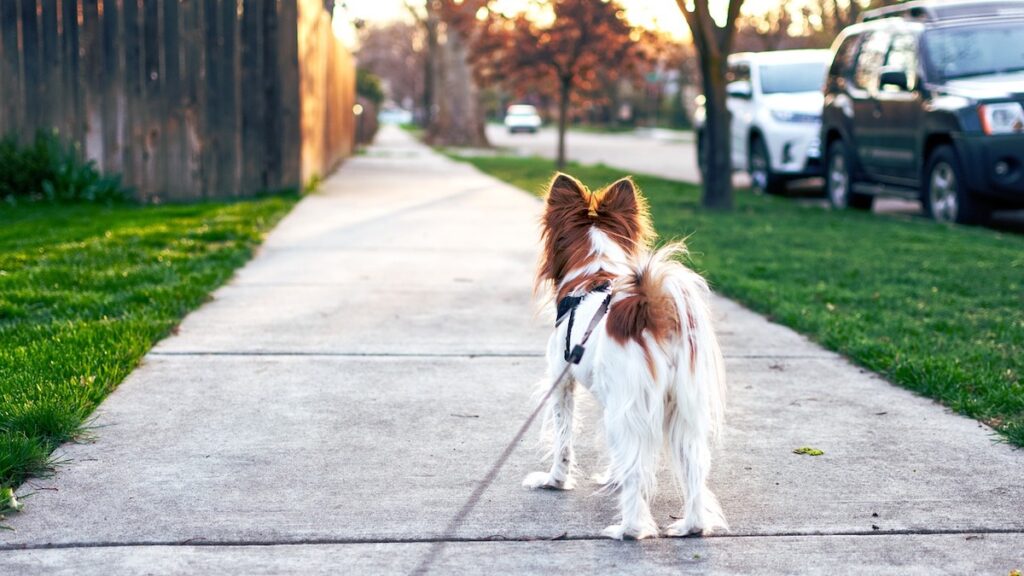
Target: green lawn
(937, 309)
(85, 290)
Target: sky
(662, 14)
(655, 14)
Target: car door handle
(876, 111)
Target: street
(672, 154)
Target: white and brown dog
(653, 361)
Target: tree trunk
(718, 174)
(563, 118)
(456, 115)
(430, 63)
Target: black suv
(926, 100)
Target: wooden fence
(187, 99)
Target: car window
(903, 56)
(846, 54)
(871, 60)
(521, 110)
(737, 72)
(792, 77)
(974, 50)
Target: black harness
(568, 306)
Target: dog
(652, 361)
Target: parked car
(775, 100)
(522, 118)
(925, 100)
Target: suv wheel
(839, 182)
(945, 195)
(759, 166)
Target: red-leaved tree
(572, 50)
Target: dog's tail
(676, 303)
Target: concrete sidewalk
(335, 405)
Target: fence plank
(90, 80)
(10, 70)
(74, 108)
(132, 142)
(112, 94)
(288, 112)
(50, 79)
(192, 71)
(152, 73)
(253, 104)
(174, 171)
(32, 64)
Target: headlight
(788, 116)
(1004, 118)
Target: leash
(574, 358)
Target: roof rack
(935, 10)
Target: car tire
(839, 180)
(945, 195)
(759, 166)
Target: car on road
(522, 118)
(775, 100)
(925, 100)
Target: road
(672, 154)
(663, 153)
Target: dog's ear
(621, 197)
(565, 190)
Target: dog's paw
(624, 532)
(535, 480)
(684, 527)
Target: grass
(936, 309)
(85, 291)
(602, 128)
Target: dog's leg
(633, 427)
(701, 511)
(691, 466)
(560, 411)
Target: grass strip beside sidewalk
(937, 309)
(86, 290)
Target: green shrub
(49, 170)
(368, 86)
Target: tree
(581, 42)
(395, 52)
(714, 43)
(453, 112)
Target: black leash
(574, 358)
(568, 306)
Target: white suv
(775, 99)
(522, 117)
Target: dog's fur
(652, 362)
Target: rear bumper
(994, 165)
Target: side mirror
(893, 77)
(740, 89)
